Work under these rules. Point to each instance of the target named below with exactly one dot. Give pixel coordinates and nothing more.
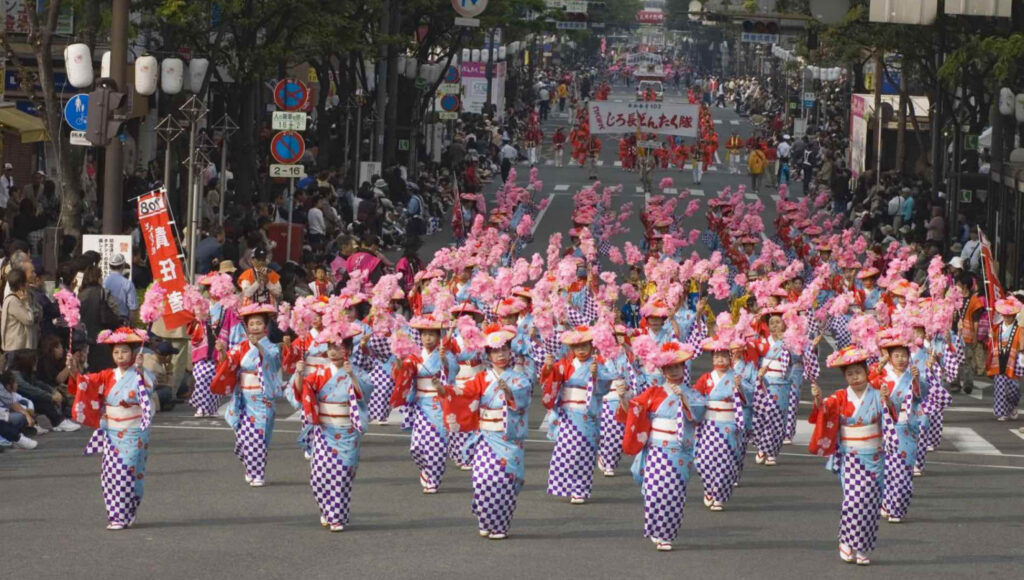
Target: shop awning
(30, 128)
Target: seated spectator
(157, 359)
(19, 318)
(15, 417)
(46, 399)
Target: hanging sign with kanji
(164, 259)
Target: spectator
(410, 263)
(20, 315)
(321, 284)
(756, 163)
(14, 416)
(157, 359)
(936, 227)
(121, 288)
(258, 283)
(208, 250)
(46, 399)
(317, 229)
(51, 368)
(972, 252)
(906, 206)
(6, 183)
(99, 312)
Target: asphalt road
(200, 520)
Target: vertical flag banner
(164, 258)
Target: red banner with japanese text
(164, 258)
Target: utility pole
(113, 172)
(381, 84)
(491, 53)
(879, 72)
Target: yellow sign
(311, 75)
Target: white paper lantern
(197, 68)
(172, 75)
(467, 55)
(105, 65)
(410, 67)
(1019, 108)
(475, 55)
(1006, 101)
(502, 53)
(78, 62)
(147, 72)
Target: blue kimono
(424, 417)
(256, 405)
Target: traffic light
(103, 121)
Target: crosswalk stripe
(967, 440)
(549, 162)
(671, 191)
(639, 189)
(600, 163)
(734, 122)
(718, 121)
(540, 215)
(750, 196)
(775, 197)
(979, 389)
(697, 192)
(562, 187)
(618, 164)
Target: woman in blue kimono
(935, 359)
(771, 403)
(116, 402)
(492, 407)
(573, 389)
(251, 373)
(718, 439)
(471, 362)
(902, 379)
(661, 431)
(624, 369)
(418, 379)
(526, 352)
(747, 371)
(333, 401)
(661, 325)
(848, 429)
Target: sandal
(759, 458)
(663, 546)
(845, 553)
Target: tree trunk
(323, 118)
(244, 159)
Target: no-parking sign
(287, 147)
(291, 95)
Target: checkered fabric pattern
(862, 500)
(899, 485)
(428, 448)
(604, 248)
(709, 239)
(610, 446)
(953, 358)
(380, 398)
(812, 366)
(664, 491)
(460, 447)
(202, 399)
(379, 347)
(789, 429)
(715, 459)
(1006, 396)
(145, 403)
(837, 326)
(931, 436)
(250, 446)
(118, 484)
(494, 491)
(330, 479)
(768, 423)
(571, 471)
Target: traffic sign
(291, 94)
(450, 103)
(76, 111)
(469, 8)
(452, 75)
(403, 144)
(966, 195)
(288, 171)
(78, 138)
(287, 147)
(288, 121)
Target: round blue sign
(287, 147)
(76, 112)
(450, 103)
(452, 75)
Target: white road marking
(979, 389)
(618, 164)
(562, 187)
(549, 162)
(750, 196)
(670, 191)
(967, 440)
(1017, 432)
(540, 215)
(639, 189)
(600, 163)
(696, 192)
(734, 122)
(718, 121)
(775, 197)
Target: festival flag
(164, 258)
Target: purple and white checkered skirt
(610, 447)
(330, 479)
(571, 471)
(1005, 395)
(380, 398)
(768, 424)
(202, 399)
(428, 448)
(117, 481)
(664, 491)
(862, 500)
(899, 486)
(457, 446)
(715, 460)
(250, 447)
(494, 491)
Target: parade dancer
(744, 365)
(935, 359)
(305, 349)
(573, 389)
(471, 363)
(848, 429)
(772, 399)
(902, 381)
(492, 406)
(660, 430)
(116, 403)
(718, 440)
(333, 402)
(204, 365)
(251, 373)
(610, 450)
(1003, 365)
(417, 382)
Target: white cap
(8, 166)
(785, 137)
(957, 262)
